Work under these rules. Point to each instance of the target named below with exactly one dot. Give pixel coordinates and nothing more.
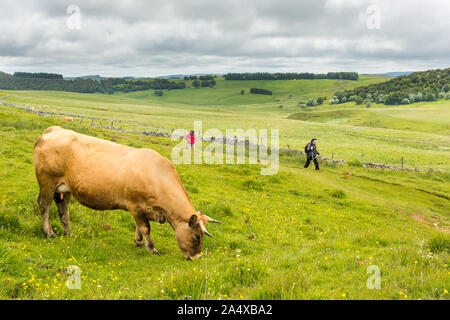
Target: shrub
(395, 98)
(439, 243)
(354, 163)
(319, 100)
(338, 194)
(158, 93)
(380, 98)
(260, 91)
(359, 100)
(430, 96)
(334, 100)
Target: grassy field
(419, 133)
(299, 234)
(228, 93)
(421, 117)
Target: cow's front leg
(143, 227)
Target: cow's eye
(198, 237)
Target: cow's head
(190, 235)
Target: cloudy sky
(151, 38)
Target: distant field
(423, 117)
(419, 133)
(299, 234)
(228, 93)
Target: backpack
(306, 148)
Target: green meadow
(299, 234)
(419, 133)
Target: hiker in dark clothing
(312, 154)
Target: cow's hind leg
(62, 201)
(143, 226)
(45, 201)
(138, 238)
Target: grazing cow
(103, 175)
(69, 119)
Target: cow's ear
(193, 221)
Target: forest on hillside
(54, 82)
(419, 86)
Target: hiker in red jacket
(190, 138)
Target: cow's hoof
(156, 252)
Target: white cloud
(162, 37)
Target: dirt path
(421, 219)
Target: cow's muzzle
(195, 257)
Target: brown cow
(103, 175)
(69, 119)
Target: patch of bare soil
(421, 219)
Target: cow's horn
(202, 226)
(212, 220)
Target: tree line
(260, 91)
(28, 81)
(38, 75)
(201, 78)
(419, 86)
(292, 76)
